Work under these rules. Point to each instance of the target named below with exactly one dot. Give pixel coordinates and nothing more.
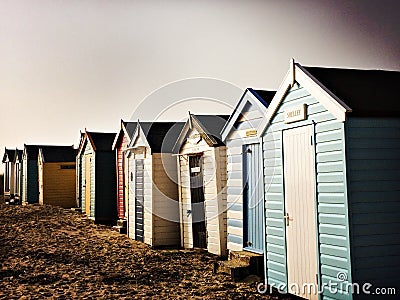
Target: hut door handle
(287, 219)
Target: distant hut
(120, 145)
(18, 175)
(9, 173)
(30, 186)
(202, 180)
(153, 214)
(98, 180)
(78, 181)
(56, 175)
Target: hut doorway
(197, 202)
(139, 200)
(88, 160)
(299, 178)
(253, 199)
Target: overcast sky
(67, 65)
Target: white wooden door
(299, 178)
(131, 196)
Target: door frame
(245, 202)
(88, 171)
(313, 134)
(135, 200)
(201, 158)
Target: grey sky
(67, 65)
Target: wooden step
(241, 265)
(120, 229)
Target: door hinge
(311, 140)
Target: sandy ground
(49, 252)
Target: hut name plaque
(295, 114)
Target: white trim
(239, 109)
(299, 74)
(139, 134)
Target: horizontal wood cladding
(373, 163)
(58, 184)
(332, 214)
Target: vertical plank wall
(373, 147)
(24, 180)
(333, 249)
(148, 196)
(106, 186)
(88, 151)
(165, 200)
(250, 119)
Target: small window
(67, 167)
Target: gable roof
(161, 136)
(130, 128)
(31, 151)
(18, 155)
(342, 91)
(9, 154)
(367, 92)
(209, 127)
(260, 98)
(127, 128)
(57, 153)
(101, 141)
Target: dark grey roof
(265, 97)
(209, 127)
(161, 136)
(366, 92)
(102, 141)
(130, 127)
(212, 125)
(19, 154)
(10, 154)
(32, 151)
(58, 153)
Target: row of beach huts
(306, 179)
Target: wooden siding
(88, 151)
(148, 196)
(165, 200)
(78, 181)
(58, 185)
(250, 119)
(104, 205)
(333, 236)
(30, 191)
(215, 176)
(373, 163)
(120, 177)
